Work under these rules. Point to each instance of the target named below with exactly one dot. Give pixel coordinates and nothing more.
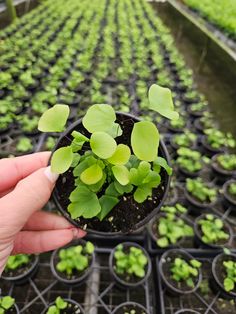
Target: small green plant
(230, 278)
(178, 124)
(27, 79)
(189, 159)
(130, 262)
(24, 145)
(227, 161)
(212, 229)
(27, 123)
(199, 106)
(232, 189)
(105, 163)
(50, 143)
(217, 139)
(183, 271)
(207, 120)
(177, 209)
(6, 303)
(17, 261)
(185, 139)
(200, 190)
(75, 258)
(5, 80)
(59, 305)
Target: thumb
(29, 195)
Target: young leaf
(121, 174)
(91, 175)
(7, 302)
(107, 204)
(163, 242)
(84, 203)
(142, 193)
(102, 144)
(62, 160)
(54, 119)
(60, 303)
(99, 118)
(121, 155)
(115, 130)
(163, 163)
(89, 247)
(145, 140)
(228, 284)
(160, 100)
(53, 310)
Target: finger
(46, 221)
(29, 242)
(29, 195)
(15, 169)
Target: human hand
(25, 187)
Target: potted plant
(200, 194)
(197, 109)
(212, 232)
(176, 126)
(189, 162)
(187, 311)
(65, 306)
(8, 306)
(110, 162)
(20, 268)
(229, 192)
(204, 122)
(180, 272)
(129, 264)
(224, 166)
(223, 275)
(73, 263)
(185, 139)
(130, 308)
(168, 229)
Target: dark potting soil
(127, 308)
(20, 271)
(127, 213)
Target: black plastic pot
(186, 311)
(172, 197)
(75, 309)
(164, 269)
(198, 125)
(218, 273)
(209, 150)
(187, 174)
(76, 280)
(229, 201)
(218, 172)
(198, 235)
(128, 306)
(161, 191)
(23, 274)
(195, 114)
(121, 282)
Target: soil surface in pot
(233, 197)
(20, 271)
(127, 308)
(127, 213)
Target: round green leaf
(99, 118)
(121, 155)
(121, 174)
(160, 100)
(54, 119)
(145, 140)
(62, 159)
(92, 174)
(102, 144)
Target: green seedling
(75, 258)
(185, 272)
(230, 278)
(212, 229)
(6, 304)
(232, 189)
(189, 159)
(57, 308)
(5, 80)
(24, 145)
(130, 262)
(185, 139)
(50, 143)
(217, 139)
(177, 209)
(201, 191)
(199, 106)
(105, 161)
(17, 261)
(227, 161)
(178, 124)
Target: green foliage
(24, 145)
(232, 189)
(177, 209)
(200, 190)
(185, 139)
(230, 278)
(54, 119)
(227, 161)
(189, 159)
(74, 259)
(59, 305)
(130, 261)
(6, 303)
(178, 124)
(17, 261)
(184, 271)
(50, 143)
(62, 159)
(212, 229)
(217, 139)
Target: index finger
(12, 170)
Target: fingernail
(50, 175)
(78, 233)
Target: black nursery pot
(77, 278)
(128, 306)
(187, 174)
(221, 174)
(186, 311)
(229, 201)
(164, 268)
(135, 282)
(208, 149)
(218, 273)
(21, 275)
(198, 235)
(73, 308)
(127, 215)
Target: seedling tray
(204, 300)
(99, 294)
